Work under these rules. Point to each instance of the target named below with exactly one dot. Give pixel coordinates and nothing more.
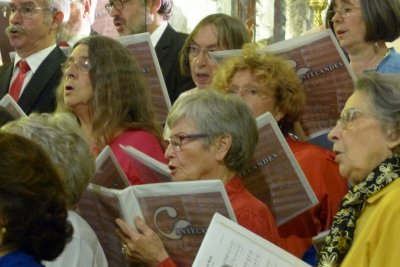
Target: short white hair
(61, 5)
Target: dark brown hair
(32, 201)
(382, 19)
(121, 98)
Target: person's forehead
(132, 3)
(183, 124)
(79, 52)
(346, 2)
(359, 100)
(207, 36)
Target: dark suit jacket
(167, 50)
(39, 93)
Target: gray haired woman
(212, 137)
(367, 143)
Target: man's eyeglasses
(26, 11)
(345, 11)
(81, 65)
(117, 4)
(178, 140)
(349, 115)
(245, 91)
(195, 51)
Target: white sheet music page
(228, 244)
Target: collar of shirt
(35, 59)
(156, 35)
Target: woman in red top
(212, 136)
(268, 84)
(104, 87)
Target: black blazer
(39, 93)
(167, 50)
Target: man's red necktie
(16, 86)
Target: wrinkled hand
(144, 246)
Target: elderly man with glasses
(79, 24)
(138, 16)
(32, 77)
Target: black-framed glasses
(117, 4)
(81, 65)
(180, 139)
(349, 115)
(25, 11)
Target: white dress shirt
(84, 250)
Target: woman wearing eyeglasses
(267, 83)
(215, 32)
(212, 137)
(104, 87)
(366, 141)
(362, 27)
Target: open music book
(228, 244)
(325, 73)
(142, 49)
(108, 171)
(12, 107)
(147, 167)
(274, 176)
(179, 212)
